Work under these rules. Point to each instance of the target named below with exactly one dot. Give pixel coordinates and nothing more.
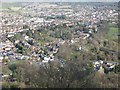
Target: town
(43, 33)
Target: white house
(1, 58)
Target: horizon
(59, 1)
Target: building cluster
(44, 14)
(104, 66)
(36, 15)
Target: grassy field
(112, 33)
(15, 8)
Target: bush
(10, 85)
(12, 67)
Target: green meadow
(112, 33)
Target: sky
(59, 0)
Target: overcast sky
(60, 0)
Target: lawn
(112, 33)
(15, 8)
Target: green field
(15, 8)
(12, 6)
(112, 33)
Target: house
(1, 58)
(1, 46)
(96, 65)
(107, 66)
(46, 58)
(101, 70)
(17, 41)
(5, 76)
(8, 49)
(10, 35)
(86, 36)
(51, 59)
(27, 38)
(20, 57)
(80, 48)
